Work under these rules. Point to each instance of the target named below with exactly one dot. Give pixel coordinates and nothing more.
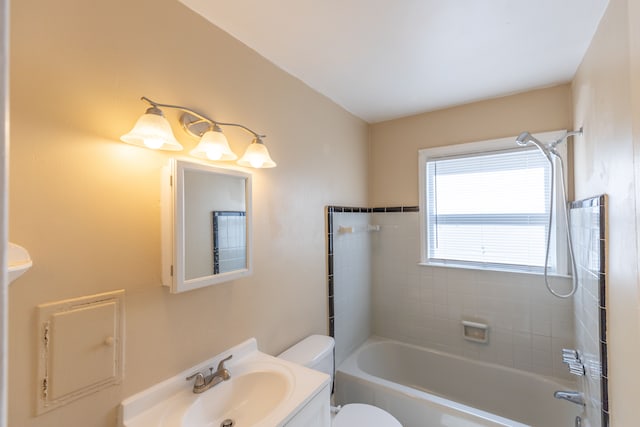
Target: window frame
(558, 251)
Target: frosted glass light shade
(153, 131)
(214, 146)
(257, 156)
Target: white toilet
(316, 352)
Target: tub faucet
(204, 383)
(572, 396)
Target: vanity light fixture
(257, 155)
(213, 146)
(152, 130)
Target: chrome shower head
(525, 138)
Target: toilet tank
(315, 352)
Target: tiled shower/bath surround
(588, 227)
(424, 305)
(350, 281)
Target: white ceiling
(383, 59)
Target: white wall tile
(352, 283)
(424, 305)
(517, 307)
(585, 229)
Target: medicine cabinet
(206, 225)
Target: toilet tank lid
(308, 351)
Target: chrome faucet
(204, 383)
(572, 396)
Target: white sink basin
(245, 399)
(263, 391)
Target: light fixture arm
(192, 120)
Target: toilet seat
(358, 414)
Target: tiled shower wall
(588, 226)
(425, 305)
(352, 282)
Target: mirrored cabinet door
(206, 225)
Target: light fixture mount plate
(193, 125)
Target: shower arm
(553, 144)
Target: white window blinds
(488, 209)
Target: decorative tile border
(329, 211)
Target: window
(486, 205)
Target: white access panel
(80, 347)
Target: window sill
(503, 269)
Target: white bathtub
(428, 388)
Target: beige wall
(607, 103)
(4, 199)
(394, 144)
(87, 206)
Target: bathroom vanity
(261, 391)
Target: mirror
(206, 223)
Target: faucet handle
(570, 355)
(577, 369)
(573, 359)
(221, 364)
(199, 379)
